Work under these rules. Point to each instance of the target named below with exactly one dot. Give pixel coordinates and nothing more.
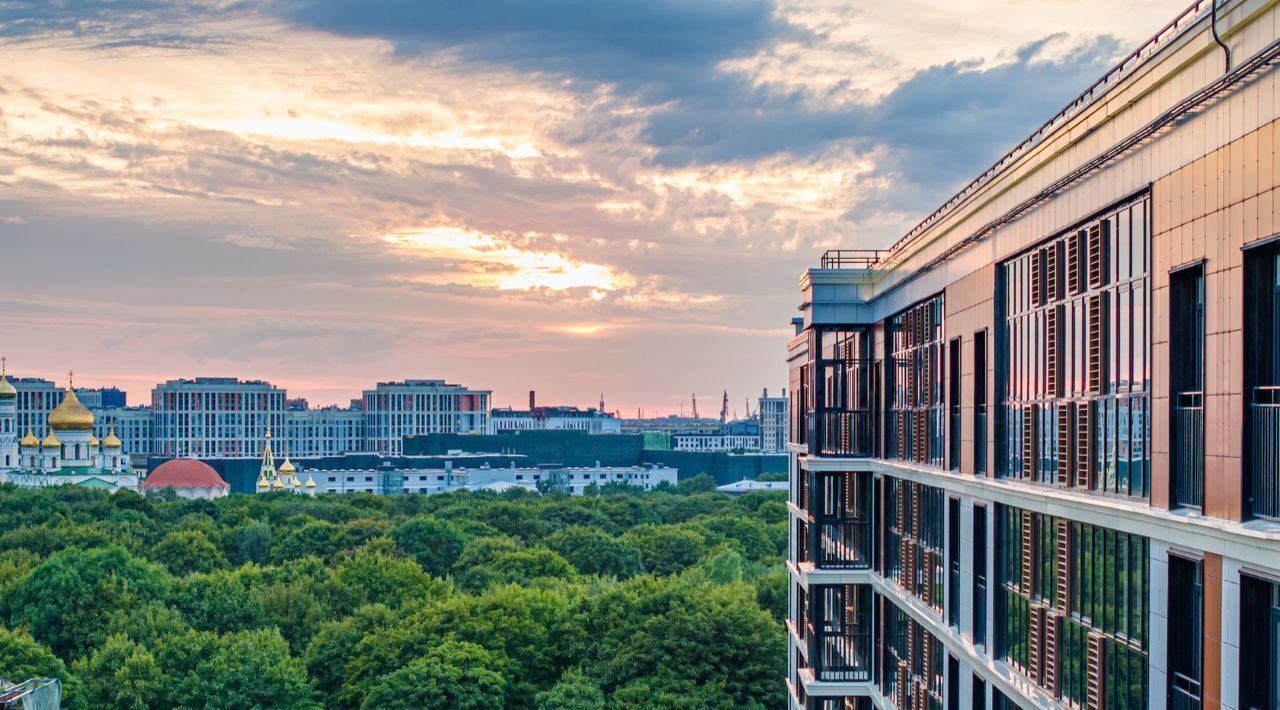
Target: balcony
(840, 640)
(1188, 449)
(846, 433)
(1184, 693)
(843, 544)
(1264, 414)
(841, 517)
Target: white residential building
(773, 422)
(394, 410)
(326, 431)
(592, 421)
(437, 480)
(213, 417)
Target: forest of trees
(624, 599)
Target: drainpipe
(1226, 51)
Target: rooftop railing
(852, 258)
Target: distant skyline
(563, 196)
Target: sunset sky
(573, 196)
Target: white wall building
(394, 410)
(326, 431)
(715, 442)
(213, 417)
(435, 480)
(592, 421)
(132, 425)
(773, 422)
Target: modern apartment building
(1036, 443)
(37, 398)
(592, 420)
(773, 422)
(323, 431)
(394, 410)
(132, 426)
(211, 417)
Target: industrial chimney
(533, 400)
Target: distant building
(212, 417)
(592, 421)
(443, 480)
(394, 410)
(37, 398)
(326, 431)
(773, 422)
(670, 425)
(131, 424)
(102, 397)
(744, 486)
(741, 435)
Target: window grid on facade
(1075, 383)
(914, 426)
(913, 526)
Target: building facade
(592, 421)
(428, 480)
(214, 417)
(1036, 443)
(394, 410)
(131, 424)
(773, 422)
(324, 431)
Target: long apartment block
(1035, 444)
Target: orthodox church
(69, 455)
(285, 478)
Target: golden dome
(297, 483)
(7, 390)
(51, 442)
(71, 415)
(287, 467)
(277, 484)
(29, 441)
(311, 482)
(262, 483)
(112, 441)
(93, 441)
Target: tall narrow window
(980, 403)
(953, 403)
(980, 574)
(953, 566)
(1261, 372)
(979, 693)
(953, 683)
(1259, 650)
(1186, 372)
(1186, 634)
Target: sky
(581, 197)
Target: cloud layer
(573, 196)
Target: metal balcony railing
(844, 655)
(1265, 462)
(851, 258)
(848, 433)
(1184, 693)
(980, 612)
(1188, 449)
(843, 543)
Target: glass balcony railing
(846, 433)
(1265, 454)
(844, 655)
(843, 543)
(1188, 449)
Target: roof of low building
(184, 473)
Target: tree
(334, 646)
(701, 483)
(592, 551)
(187, 551)
(371, 577)
(120, 674)
(22, 657)
(455, 675)
(665, 549)
(64, 600)
(435, 544)
(253, 542)
(574, 691)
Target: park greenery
(619, 599)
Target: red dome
(184, 473)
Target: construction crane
(694, 397)
(724, 408)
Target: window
(1072, 341)
(1186, 385)
(912, 528)
(913, 374)
(980, 403)
(979, 560)
(1261, 372)
(1071, 600)
(953, 403)
(953, 563)
(1186, 634)
(1260, 651)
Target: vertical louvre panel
(926, 575)
(1028, 559)
(1029, 428)
(921, 441)
(1098, 254)
(907, 553)
(1035, 641)
(1084, 445)
(1063, 549)
(1052, 267)
(1052, 637)
(1096, 673)
(904, 682)
(1053, 345)
(1074, 282)
(1037, 283)
(1097, 343)
(1065, 410)
(915, 510)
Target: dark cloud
(115, 23)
